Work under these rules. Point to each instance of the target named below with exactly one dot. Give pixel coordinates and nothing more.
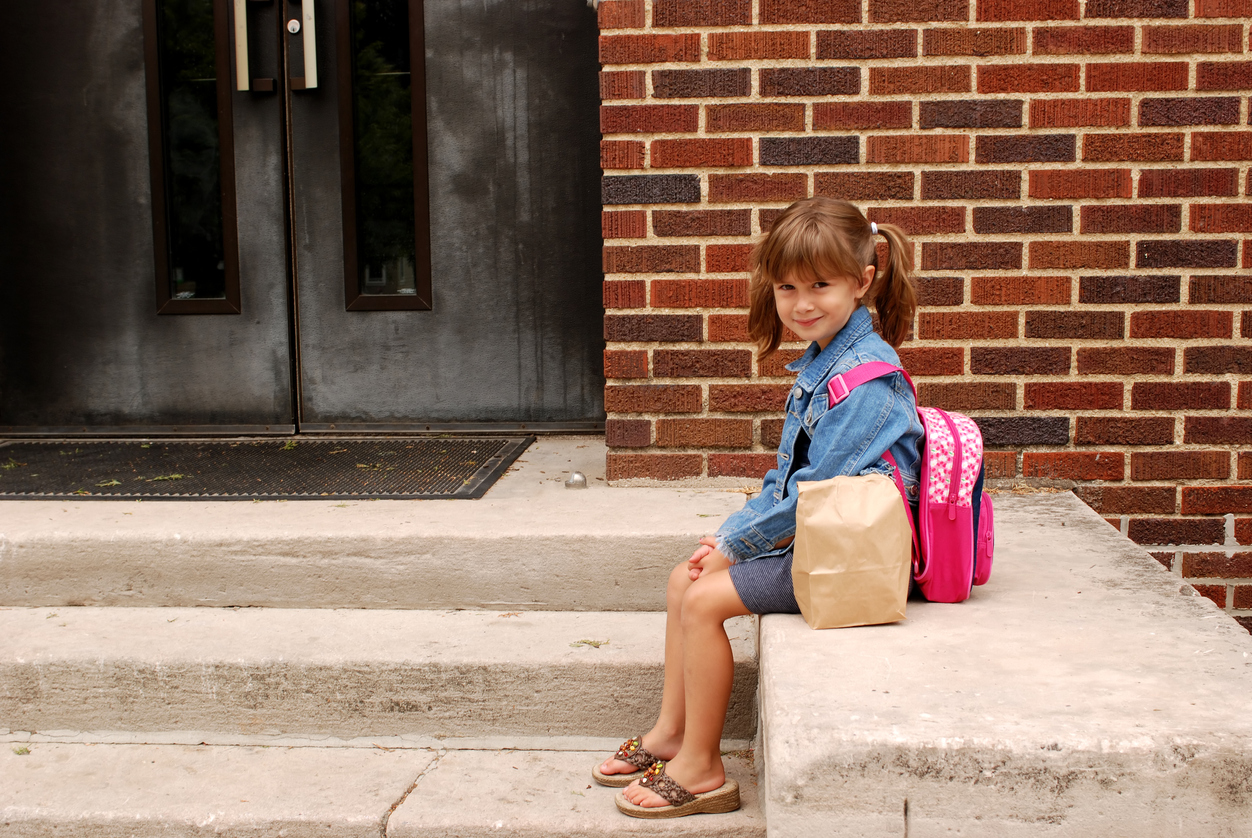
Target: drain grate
(262, 469)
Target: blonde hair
(822, 237)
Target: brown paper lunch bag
(853, 552)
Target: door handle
(307, 27)
(243, 73)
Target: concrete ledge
(1084, 691)
(344, 673)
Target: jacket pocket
(817, 409)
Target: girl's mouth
(806, 323)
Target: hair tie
(873, 228)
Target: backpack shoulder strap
(842, 385)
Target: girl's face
(816, 309)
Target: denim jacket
(819, 442)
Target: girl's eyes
(782, 286)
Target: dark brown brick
(699, 293)
(977, 256)
(1131, 360)
(1036, 219)
(810, 151)
(810, 81)
(917, 11)
(693, 152)
(1189, 39)
(1100, 430)
(940, 291)
(704, 433)
(748, 398)
(628, 433)
(701, 84)
(637, 259)
(1165, 558)
(1244, 401)
(741, 465)
(1083, 40)
(958, 185)
(1217, 360)
(1020, 290)
(965, 396)
(964, 41)
(630, 294)
(1131, 218)
(626, 224)
(810, 11)
(1208, 110)
(1080, 183)
(1073, 465)
(1187, 254)
(1109, 148)
(1131, 76)
(1001, 10)
(1028, 78)
(1136, 8)
(1129, 289)
(625, 363)
(702, 222)
(932, 360)
(1179, 395)
(701, 13)
(1180, 465)
(854, 115)
(652, 398)
(1128, 500)
(624, 84)
(650, 189)
(864, 186)
(771, 432)
(1176, 531)
(734, 188)
(1220, 289)
(653, 327)
(1215, 565)
(1188, 183)
(751, 116)
(1080, 254)
(739, 46)
(1079, 325)
(649, 49)
(921, 221)
(972, 113)
(1243, 526)
(1020, 431)
(1074, 395)
(653, 466)
(995, 360)
(844, 44)
(1218, 430)
(1079, 113)
(966, 325)
(1223, 75)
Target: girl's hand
(706, 558)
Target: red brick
(630, 294)
(652, 398)
(947, 185)
(942, 148)
(621, 154)
(809, 81)
(1180, 465)
(856, 115)
(701, 13)
(989, 360)
(1128, 500)
(623, 84)
(1188, 183)
(1223, 75)
(1131, 218)
(702, 222)
(1218, 430)
(1177, 531)
(628, 433)
(701, 84)
(966, 325)
(1216, 500)
(775, 366)
(1243, 526)
(1176, 395)
(625, 363)
(747, 116)
(649, 49)
(696, 153)
(653, 466)
(1003, 10)
(701, 363)
(728, 328)
(1244, 400)
(1081, 183)
(932, 360)
(1105, 148)
(1221, 218)
(741, 465)
(917, 11)
(748, 398)
(1072, 465)
(1083, 40)
(1135, 360)
(620, 14)
(963, 41)
(1000, 464)
(739, 46)
(771, 432)
(1181, 324)
(1065, 395)
(1101, 430)
(967, 396)
(843, 44)
(757, 188)
(1079, 113)
(653, 327)
(862, 186)
(1020, 290)
(628, 224)
(639, 259)
(1132, 76)
(810, 11)
(1243, 597)
(726, 258)
(649, 119)
(978, 256)
(1222, 8)
(1221, 145)
(1028, 78)
(890, 81)
(699, 293)
(1165, 558)
(1080, 254)
(1189, 39)
(1217, 593)
(704, 433)
(921, 221)
(1135, 8)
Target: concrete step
(152, 791)
(1084, 691)
(528, 544)
(342, 673)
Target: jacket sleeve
(847, 439)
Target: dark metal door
(323, 314)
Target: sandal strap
(635, 753)
(656, 779)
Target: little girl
(812, 275)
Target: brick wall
(1075, 176)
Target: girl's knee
(700, 606)
(679, 583)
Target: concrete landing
(1082, 692)
(530, 543)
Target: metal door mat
(270, 469)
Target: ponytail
(892, 289)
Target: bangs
(810, 246)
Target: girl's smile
(815, 308)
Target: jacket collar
(816, 363)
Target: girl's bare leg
(666, 736)
(708, 672)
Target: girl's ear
(867, 279)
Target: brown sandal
(681, 802)
(636, 754)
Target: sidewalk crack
(382, 827)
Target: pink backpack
(953, 536)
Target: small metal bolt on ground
(576, 480)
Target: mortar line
(382, 827)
